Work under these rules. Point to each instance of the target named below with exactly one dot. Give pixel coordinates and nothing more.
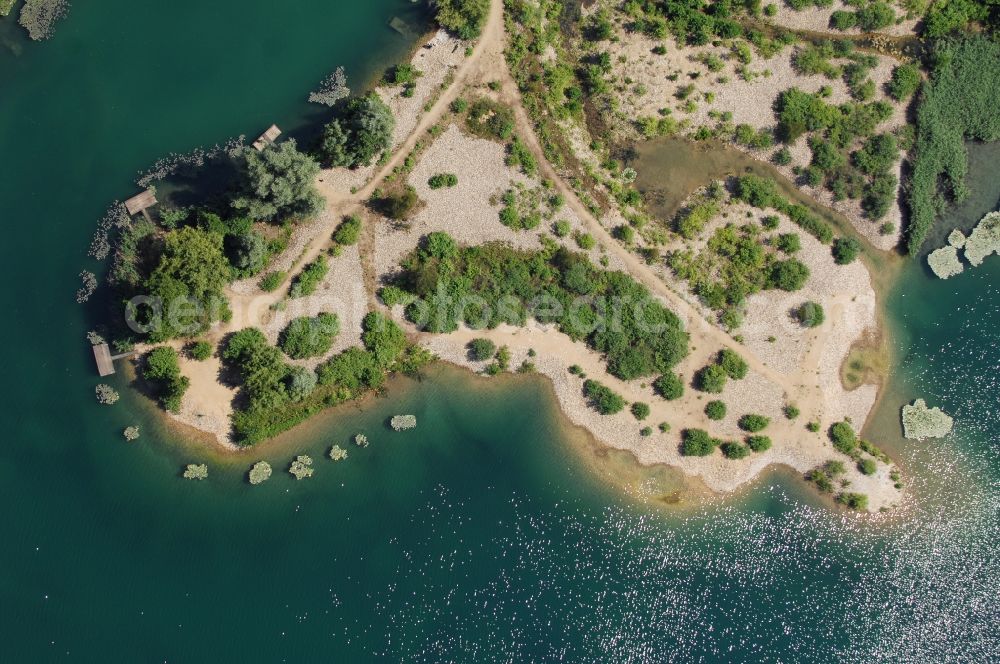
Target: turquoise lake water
(484, 534)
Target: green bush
(715, 410)
(162, 370)
(307, 336)
(843, 437)
(753, 423)
(810, 314)
(602, 398)
(856, 501)
(489, 119)
(867, 466)
(442, 180)
(585, 241)
(464, 18)
(788, 275)
(759, 443)
(845, 250)
(875, 16)
(733, 450)
(904, 82)
(791, 411)
(310, 278)
(348, 231)
(697, 442)
(711, 379)
(401, 204)
(200, 350)
(669, 386)
(789, 243)
(481, 349)
(640, 410)
(561, 228)
(271, 281)
(843, 20)
(731, 362)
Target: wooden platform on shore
(140, 202)
(102, 355)
(267, 138)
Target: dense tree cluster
(494, 283)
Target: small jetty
(267, 138)
(102, 355)
(140, 202)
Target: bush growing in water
(195, 471)
(38, 17)
(403, 422)
(697, 442)
(753, 423)
(715, 410)
(106, 394)
(301, 467)
(602, 398)
(309, 336)
(260, 473)
(337, 453)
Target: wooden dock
(140, 202)
(102, 355)
(267, 138)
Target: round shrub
(715, 410)
(669, 386)
(481, 349)
(697, 442)
(200, 350)
(759, 443)
(735, 450)
(309, 336)
(843, 437)
(867, 466)
(640, 410)
(845, 250)
(753, 423)
(602, 398)
(810, 314)
(711, 379)
(731, 362)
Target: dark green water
(480, 536)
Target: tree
(278, 183)
(360, 135)
(481, 349)
(248, 252)
(309, 336)
(669, 386)
(715, 410)
(711, 379)
(753, 423)
(697, 442)
(162, 369)
(301, 382)
(464, 18)
(845, 250)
